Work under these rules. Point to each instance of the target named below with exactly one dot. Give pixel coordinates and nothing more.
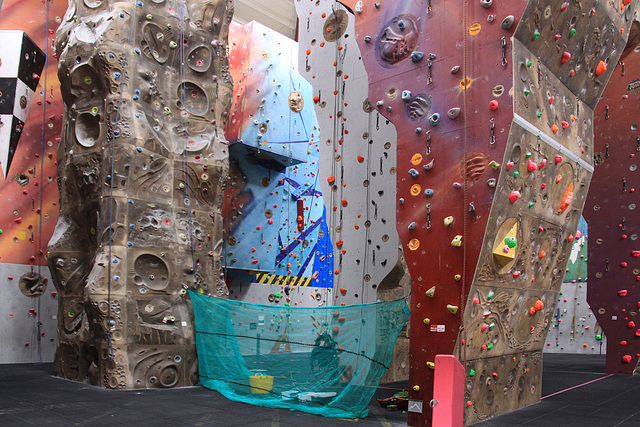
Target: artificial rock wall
(141, 167)
(493, 102)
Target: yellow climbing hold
(457, 241)
(448, 221)
(457, 277)
(426, 320)
(431, 292)
(431, 365)
(494, 165)
(474, 29)
(453, 309)
(416, 388)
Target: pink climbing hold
(531, 166)
(565, 124)
(626, 358)
(542, 163)
(631, 324)
(622, 293)
(623, 264)
(623, 343)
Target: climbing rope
(463, 348)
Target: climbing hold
(360, 159)
(434, 119)
(514, 196)
(316, 99)
(343, 290)
(453, 309)
(457, 185)
(539, 305)
(418, 130)
(457, 277)
(531, 166)
(626, 358)
(412, 225)
(536, 34)
(493, 105)
(453, 113)
(401, 201)
(430, 292)
(428, 192)
(416, 388)
(402, 25)
(469, 403)
(367, 39)
(472, 373)
(566, 56)
(507, 22)
(601, 68)
(414, 173)
(565, 124)
(417, 56)
(331, 180)
(358, 6)
(631, 324)
(415, 189)
(457, 241)
(486, 3)
(406, 95)
(428, 166)
(554, 129)
(491, 182)
(494, 165)
(558, 158)
(567, 198)
(426, 320)
(448, 221)
(431, 365)
(564, 6)
(542, 163)
(344, 202)
(542, 254)
(455, 69)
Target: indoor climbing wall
(274, 212)
(141, 168)
(614, 268)
(27, 187)
(494, 116)
(357, 156)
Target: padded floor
(30, 395)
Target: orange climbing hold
(554, 129)
(316, 99)
(539, 305)
(360, 159)
(343, 290)
(601, 68)
(331, 180)
(566, 200)
(532, 311)
(344, 202)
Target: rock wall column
(141, 168)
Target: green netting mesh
(326, 361)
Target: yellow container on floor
(261, 384)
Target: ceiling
(279, 15)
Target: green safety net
(326, 361)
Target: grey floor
(30, 395)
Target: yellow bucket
(261, 384)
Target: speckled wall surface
(614, 269)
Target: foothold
(453, 309)
(472, 372)
(430, 292)
(426, 320)
(401, 201)
(358, 7)
(434, 119)
(417, 56)
(558, 158)
(457, 241)
(507, 22)
(367, 39)
(531, 166)
(406, 95)
(453, 113)
(564, 6)
(428, 192)
(448, 221)
(486, 3)
(457, 277)
(412, 225)
(542, 163)
(414, 173)
(428, 166)
(626, 358)
(402, 25)
(491, 182)
(431, 365)
(455, 69)
(418, 130)
(536, 34)
(457, 185)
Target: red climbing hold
(514, 196)
(493, 105)
(539, 305)
(626, 358)
(331, 180)
(343, 290)
(565, 124)
(622, 293)
(631, 324)
(566, 56)
(360, 159)
(509, 165)
(623, 264)
(316, 99)
(542, 163)
(623, 343)
(531, 166)
(558, 158)
(635, 254)
(344, 202)
(564, 6)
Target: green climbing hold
(278, 294)
(536, 34)
(491, 326)
(539, 113)
(529, 154)
(599, 337)
(490, 346)
(512, 242)
(531, 204)
(472, 373)
(516, 174)
(529, 63)
(572, 32)
(490, 295)
(527, 92)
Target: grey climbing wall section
(357, 155)
(141, 167)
